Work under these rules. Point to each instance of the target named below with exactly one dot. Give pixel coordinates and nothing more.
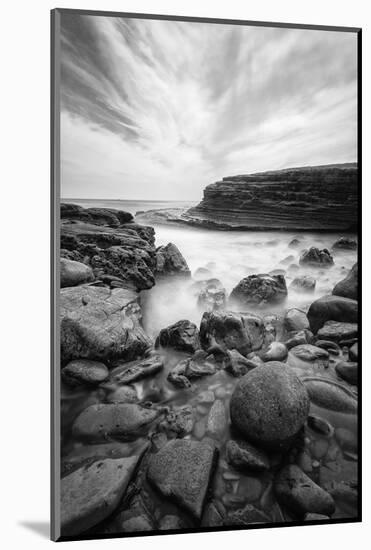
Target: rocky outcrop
(170, 262)
(309, 198)
(118, 251)
(100, 323)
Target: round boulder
(270, 405)
(260, 290)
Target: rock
(217, 421)
(347, 440)
(308, 352)
(294, 243)
(243, 456)
(272, 328)
(241, 331)
(336, 331)
(177, 376)
(269, 405)
(99, 323)
(170, 262)
(198, 367)
(171, 523)
(212, 516)
(130, 523)
(353, 352)
(236, 364)
(182, 471)
(91, 493)
(98, 216)
(295, 320)
(328, 345)
(137, 370)
(123, 394)
(246, 516)
(212, 296)
(83, 371)
(320, 425)
(348, 287)
(182, 336)
(259, 290)
(332, 308)
(302, 337)
(330, 395)
(305, 283)
(117, 420)
(276, 351)
(291, 199)
(179, 421)
(297, 492)
(348, 371)
(345, 243)
(316, 257)
(74, 273)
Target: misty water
(230, 256)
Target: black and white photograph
(207, 223)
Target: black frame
(55, 286)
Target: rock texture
(182, 336)
(170, 262)
(100, 323)
(309, 198)
(259, 290)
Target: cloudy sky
(160, 109)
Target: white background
(24, 396)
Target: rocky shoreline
(249, 417)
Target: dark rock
(217, 420)
(212, 517)
(97, 216)
(91, 493)
(182, 471)
(302, 337)
(182, 336)
(320, 425)
(243, 456)
(345, 243)
(269, 405)
(297, 492)
(120, 420)
(336, 331)
(246, 516)
(328, 345)
(311, 198)
(330, 395)
(348, 287)
(353, 352)
(308, 352)
(236, 364)
(348, 371)
(74, 273)
(241, 331)
(179, 421)
(83, 371)
(294, 243)
(276, 351)
(260, 290)
(99, 323)
(332, 308)
(317, 257)
(131, 372)
(170, 262)
(316, 517)
(177, 376)
(198, 367)
(305, 283)
(295, 320)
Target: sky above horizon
(160, 109)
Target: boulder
(348, 287)
(332, 308)
(295, 320)
(74, 273)
(241, 331)
(308, 352)
(131, 372)
(91, 493)
(330, 395)
(99, 323)
(243, 456)
(269, 405)
(300, 495)
(260, 290)
(170, 262)
(345, 243)
(302, 337)
(84, 372)
(182, 471)
(305, 283)
(337, 331)
(316, 257)
(276, 351)
(182, 336)
(179, 422)
(117, 420)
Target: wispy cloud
(159, 109)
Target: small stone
(217, 421)
(243, 456)
(308, 352)
(84, 372)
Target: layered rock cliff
(310, 198)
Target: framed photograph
(206, 192)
